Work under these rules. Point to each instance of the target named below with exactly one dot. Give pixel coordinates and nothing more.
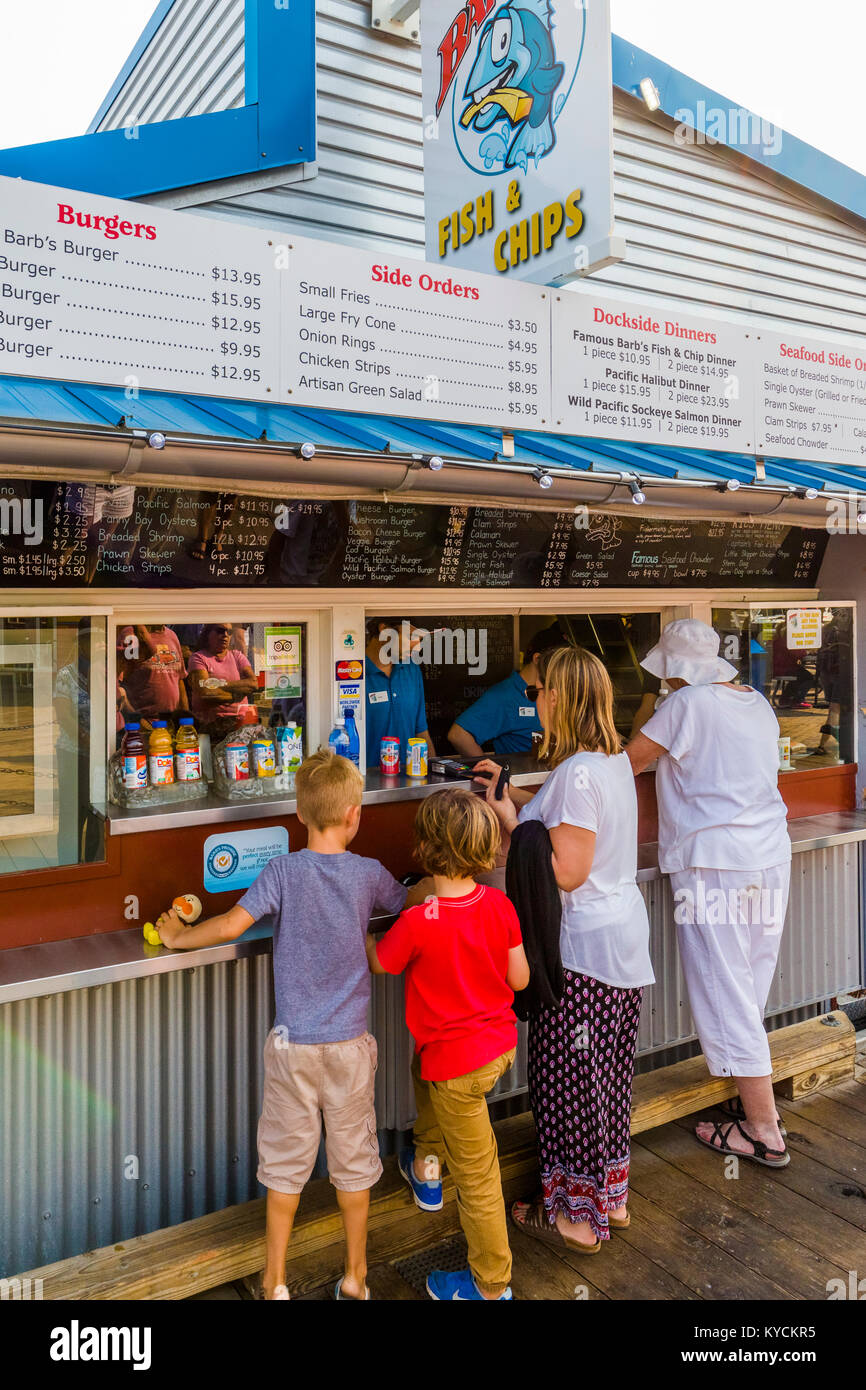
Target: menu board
(93, 289)
(84, 535)
(404, 338)
(811, 398)
(624, 370)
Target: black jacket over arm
(532, 888)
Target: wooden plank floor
(695, 1233)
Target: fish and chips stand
(239, 449)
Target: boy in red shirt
(463, 957)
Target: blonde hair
(456, 834)
(582, 718)
(326, 786)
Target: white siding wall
(703, 232)
(194, 64)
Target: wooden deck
(695, 1234)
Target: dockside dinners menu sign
(94, 290)
(75, 535)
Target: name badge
(526, 711)
(378, 697)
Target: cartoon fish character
(515, 74)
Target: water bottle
(338, 739)
(354, 741)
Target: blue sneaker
(447, 1287)
(428, 1195)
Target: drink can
(293, 747)
(237, 762)
(389, 756)
(784, 754)
(416, 758)
(264, 757)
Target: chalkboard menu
(95, 536)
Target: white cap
(689, 649)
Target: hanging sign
(803, 629)
(518, 151)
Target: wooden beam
(183, 1260)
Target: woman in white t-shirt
(723, 840)
(581, 1054)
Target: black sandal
(734, 1110)
(536, 1224)
(770, 1158)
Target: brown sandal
(536, 1224)
(619, 1223)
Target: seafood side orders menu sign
(811, 398)
(125, 294)
(406, 338)
(624, 370)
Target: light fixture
(732, 485)
(650, 93)
(810, 493)
(637, 495)
(156, 440)
(307, 451)
(434, 463)
(543, 479)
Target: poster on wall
(283, 662)
(518, 145)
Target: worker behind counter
(394, 688)
(506, 716)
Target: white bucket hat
(689, 649)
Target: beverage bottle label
(134, 771)
(161, 767)
(188, 765)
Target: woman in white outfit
(724, 842)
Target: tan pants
(454, 1125)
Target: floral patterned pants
(581, 1061)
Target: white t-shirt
(717, 787)
(605, 929)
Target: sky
(794, 62)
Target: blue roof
(23, 399)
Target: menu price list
(623, 371)
(404, 338)
(86, 534)
(94, 289)
(811, 398)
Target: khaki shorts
(306, 1084)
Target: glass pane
(801, 658)
(52, 741)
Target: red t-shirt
(455, 954)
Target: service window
(801, 657)
(620, 640)
(52, 740)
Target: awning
(62, 429)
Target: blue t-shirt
(503, 714)
(394, 705)
(321, 904)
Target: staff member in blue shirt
(394, 690)
(504, 714)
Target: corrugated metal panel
(194, 64)
(130, 1107)
(704, 232)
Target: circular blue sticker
(222, 860)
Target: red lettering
(67, 213)
(453, 47)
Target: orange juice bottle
(160, 759)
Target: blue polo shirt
(393, 705)
(503, 714)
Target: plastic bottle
(338, 739)
(134, 755)
(160, 761)
(187, 755)
(354, 752)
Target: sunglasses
(532, 692)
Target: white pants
(729, 927)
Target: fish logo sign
(504, 113)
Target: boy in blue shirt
(320, 1061)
